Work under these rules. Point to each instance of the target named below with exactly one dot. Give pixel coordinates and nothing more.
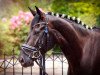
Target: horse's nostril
(29, 62)
(22, 60)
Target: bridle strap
(31, 48)
(27, 47)
(41, 67)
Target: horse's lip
(26, 65)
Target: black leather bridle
(35, 51)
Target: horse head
(39, 40)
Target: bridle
(35, 51)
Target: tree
(86, 10)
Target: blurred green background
(15, 17)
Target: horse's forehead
(48, 19)
(35, 20)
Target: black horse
(79, 43)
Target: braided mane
(73, 19)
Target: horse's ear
(32, 11)
(40, 13)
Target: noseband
(35, 52)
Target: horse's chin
(27, 65)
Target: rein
(36, 50)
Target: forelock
(35, 20)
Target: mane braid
(74, 19)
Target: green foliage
(57, 48)
(19, 35)
(98, 20)
(5, 44)
(44, 4)
(85, 10)
(12, 39)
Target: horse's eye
(42, 28)
(36, 31)
(37, 26)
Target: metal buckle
(36, 54)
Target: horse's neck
(68, 32)
(73, 48)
